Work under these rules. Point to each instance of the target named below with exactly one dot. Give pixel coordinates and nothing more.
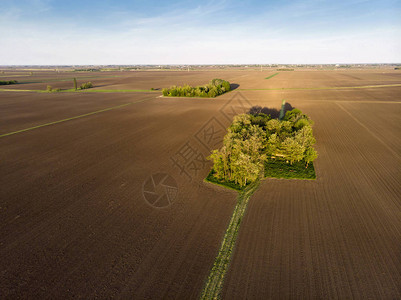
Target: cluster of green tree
(214, 88)
(51, 89)
(86, 85)
(227, 184)
(6, 82)
(397, 68)
(285, 69)
(252, 139)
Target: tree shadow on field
(273, 112)
(234, 86)
(101, 85)
(27, 82)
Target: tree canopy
(252, 139)
(6, 82)
(213, 89)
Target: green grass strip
(107, 91)
(18, 90)
(230, 185)
(278, 168)
(67, 79)
(72, 118)
(14, 75)
(327, 88)
(78, 91)
(222, 184)
(214, 284)
(271, 76)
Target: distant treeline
(214, 88)
(285, 69)
(86, 70)
(6, 82)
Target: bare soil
(338, 236)
(74, 221)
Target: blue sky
(199, 32)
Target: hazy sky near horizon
(46, 32)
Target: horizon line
(208, 64)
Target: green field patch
(18, 90)
(14, 75)
(78, 91)
(279, 168)
(271, 76)
(227, 184)
(110, 91)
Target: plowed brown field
(337, 237)
(75, 221)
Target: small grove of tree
(214, 88)
(51, 89)
(252, 139)
(6, 82)
(86, 85)
(240, 160)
